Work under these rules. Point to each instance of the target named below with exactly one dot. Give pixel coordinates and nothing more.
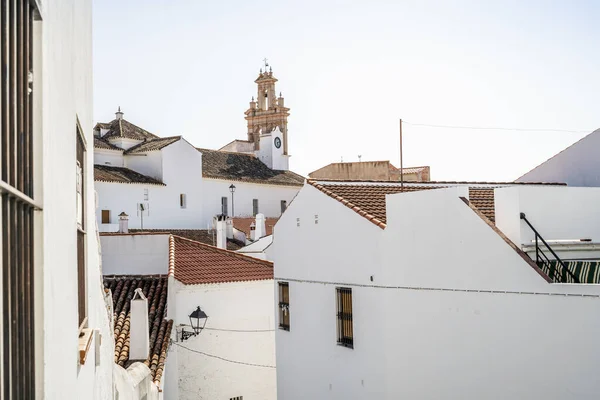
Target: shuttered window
(17, 202)
(345, 335)
(224, 205)
(284, 306)
(81, 226)
(106, 216)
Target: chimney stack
(139, 341)
(119, 113)
(261, 230)
(221, 222)
(229, 224)
(123, 223)
(252, 231)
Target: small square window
(106, 216)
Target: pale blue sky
(350, 69)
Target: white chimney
(123, 223)
(229, 224)
(261, 230)
(139, 342)
(119, 114)
(252, 230)
(221, 222)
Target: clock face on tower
(277, 142)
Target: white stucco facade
(63, 97)
(577, 165)
(240, 327)
(269, 198)
(442, 306)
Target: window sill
(85, 340)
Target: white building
(55, 326)
(234, 354)
(577, 165)
(387, 295)
(166, 182)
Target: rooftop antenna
(401, 166)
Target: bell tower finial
(119, 113)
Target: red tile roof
(195, 263)
(106, 173)
(367, 198)
(243, 224)
(154, 288)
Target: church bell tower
(268, 111)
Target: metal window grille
(237, 398)
(254, 207)
(106, 216)
(224, 205)
(345, 335)
(17, 204)
(283, 205)
(81, 226)
(284, 306)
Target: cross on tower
(266, 63)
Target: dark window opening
(106, 216)
(224, 205)
(283, 205)
(284, 306)
(254, 207)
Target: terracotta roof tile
(243, 224)
(368, 198)
(125, 129)
(154, 288)
(199, 235)
(244, 167)
(152, 144)
(194, 263)
(103, 144)
(105, 173)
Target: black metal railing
(556, 269)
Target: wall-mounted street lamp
(232, 190)
(195, 320)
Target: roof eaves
(348, 204)
(171, 256)
(217, 249)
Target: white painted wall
(62, 95)
(113, 158)
(135, 254)
(557, 213)
(124, 197)
(452, 311)
(577, 165)
(149, 164)
(269, 197)
(240, 306)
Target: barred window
(18, 204)
(284, 306)
(345, 336)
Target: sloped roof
(103, 144)
(125, 129)
(193, 263)
(154, 288)
(106, 173)
(199, 235)
(152, 144)
(243, 224)
(483, 200)
(244, 167)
